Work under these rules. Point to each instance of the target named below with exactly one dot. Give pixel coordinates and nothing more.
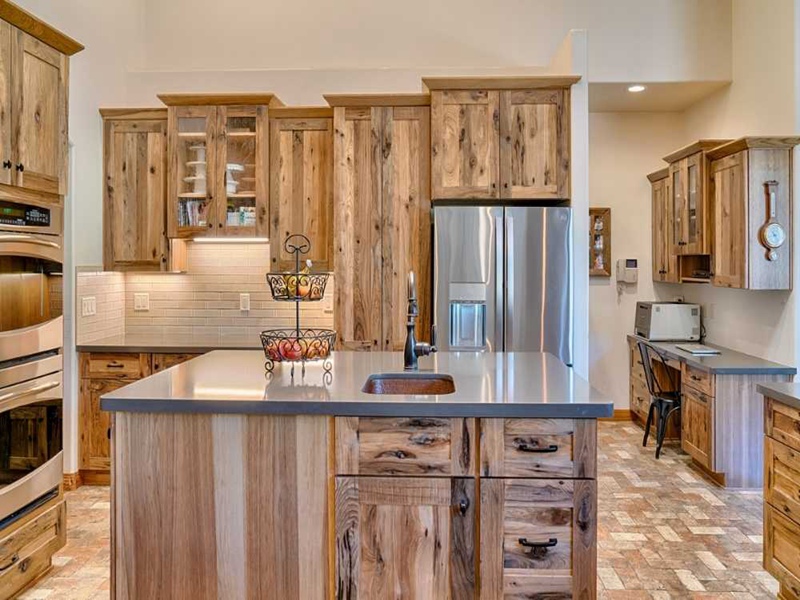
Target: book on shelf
(192, 213)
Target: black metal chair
(665, 402)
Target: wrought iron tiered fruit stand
(300, 344)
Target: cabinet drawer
(405, 446)
(115, 365)
(537, 536)
(783, 423)
(637, 368)
(782, 480)
(700, 380)
(640, 398)
(26, 553)
(165, 361)
(781, 541)
(538, 447)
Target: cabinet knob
(6, 164)
(20, 167)
(210, 225)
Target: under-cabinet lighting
(230, 240)
(637, 88)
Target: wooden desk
(721, 424)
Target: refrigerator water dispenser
(467, 316)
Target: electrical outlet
(141, 301)
(244, 302)
(678, 299)
(88, 306)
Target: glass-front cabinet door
(695, 208)
(242, 169)
(676, 202)
(191, 187)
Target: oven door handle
(28, 239)
(36, 389)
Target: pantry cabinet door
(465, 140)
(6, 125)
(357, 224)
(534, 144)
(39, 111)
(405, 537)
(406, 208)
(729, 182)
(134, 211)
(301, 189)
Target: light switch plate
(141, 301)
(88, 306)
(244, 302)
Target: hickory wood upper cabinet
(34, 71)
(134, 196)
(301, 183)
(500, 137)
(690, 216)
(218, 164)
(665, 262)
(382, 217)
(751, 185)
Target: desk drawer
(115, 365)
(538, 448)
(405, 446)
(702, 381)
(782, 478)
(783, 423)
(781, 541)
(640, 398)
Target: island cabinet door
(538, 539)
(405, 537)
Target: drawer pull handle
(535, 448)
(10, 563)
(696, 378)
(114, 365)
(538, 549)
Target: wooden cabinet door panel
(6, 124)
(406, 209)
(358, 221)
(781, 557)
(405, 537)
(729, 177)
(534, 144)
(40, 115)
(559, 517)
(134, 215)
(696, 217)
(162, 362)
(677, 175)
(465, 140)
(301, 189)
(697, 426)
(95, 424)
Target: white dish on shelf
(231, 186)
(194, 163)
(198, 182)
(234, 167)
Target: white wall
(623, 149)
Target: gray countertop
(171, 343)
(728, 362)
(788, 393)
(487, 385)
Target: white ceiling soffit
(658, 97)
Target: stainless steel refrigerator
(502, 279)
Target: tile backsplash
(108, 290)
(206, 299)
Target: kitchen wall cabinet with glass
(218, 164)
(500, 137)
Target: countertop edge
(770, 392)
(361, 409)
(159, 349)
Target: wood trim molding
(134, 113)
(301, 112)
(32, 25)
(367, 100)
(620, 414)
(694, 147)
(511, 82)
(245, 98)
(768, 142)
(72, 481)
(658, 175)
(94, 477)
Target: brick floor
(664, 532)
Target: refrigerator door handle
(499, 257)
(509, 283)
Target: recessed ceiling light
(637, 88)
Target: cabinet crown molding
(134, 113)
(301, 112)
(767, 142)
(246, 98)
(658, 175)
(22, 19)
(510, 82)
(368, 100)
(698, 146)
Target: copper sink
(411, 384)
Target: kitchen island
(229, 483)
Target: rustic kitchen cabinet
(500, 137)
(665, 262)
(34, 72)
(218, 164)
(752, 196)
(301, 183)
(134, 195)
(697, 412)
(382, 220)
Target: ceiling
(658, 97)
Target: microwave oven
(668, 321)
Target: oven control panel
(23, 215)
